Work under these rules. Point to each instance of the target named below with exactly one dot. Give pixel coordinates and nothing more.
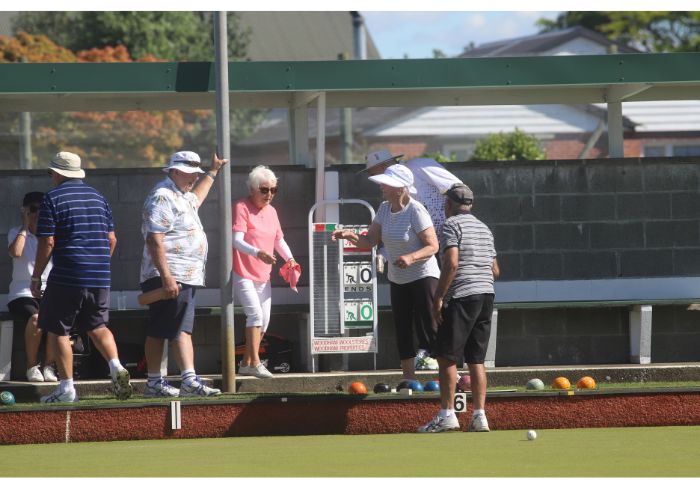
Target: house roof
(302, 36)
(286, 36)
(538, 44)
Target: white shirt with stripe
(400, 236)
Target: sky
(416, 34)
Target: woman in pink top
(257, 234)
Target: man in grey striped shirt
(469, 267)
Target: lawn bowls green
(7, 398)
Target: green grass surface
(629, 452)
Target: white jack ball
(531, 435)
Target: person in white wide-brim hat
(405, 228)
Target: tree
(440, 158)
(511, 146)
(175, 36)
(134, 138)
(648, 31)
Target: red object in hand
(290, 272)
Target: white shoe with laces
(197, 388)
(160, 389)
(440, 424)
(49, 373)
(59, 396)
(34, 374)
(479, 424)
(260, 371)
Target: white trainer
(247, 370)
(440, 424)
(428, 363)
(49, 373)
(479, 424)
(59, 396)
(161, 388)
(34, 374)
(198, 388)
(260, 371)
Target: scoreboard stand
(343, 290)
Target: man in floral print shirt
(174, 258)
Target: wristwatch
(210, 175)
(35, 279)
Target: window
(686, 150)
(654, 151)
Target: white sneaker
(59, 397)
(260, 371)
(198, 388)
(440, 424)
(161, 389)
(427, 363)
(479, 424)
(247, 370)
(34, 374)
(49, 373)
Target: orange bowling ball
(586, 383)
(561, 383)
(357, 388)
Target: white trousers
(256, 299)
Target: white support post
(299, 152)
(616, 144)
(6, 333)
(640, 334)
(490, 359)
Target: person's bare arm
(154, 243)
(450, 260)
(112, 242)
(495, 269)
(43, 254)
(430, 247)
(201, 189)
(369, 240)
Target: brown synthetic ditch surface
(341, 415)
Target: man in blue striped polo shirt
(76, 229)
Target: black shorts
(465, 328)
(65, 307)
(167, 318)
(22, 308)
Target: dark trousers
(412, 302)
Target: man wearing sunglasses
(174, 257)
(22, 245)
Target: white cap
(398, 176)
(185, 161)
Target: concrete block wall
(552, 220)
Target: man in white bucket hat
(174, 258)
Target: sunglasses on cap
(264, 190)
(192, 164)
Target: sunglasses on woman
(264, 190)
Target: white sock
(446, 412)
(114, 367)
(188, 376)
(154, 378)
(478, 411)
(66, 385)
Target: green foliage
(440, 158)
(173, 36)
(511, 146)
(648, 31)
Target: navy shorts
(22, 308)
(465, 328)
(167, 318)
(66, 307)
